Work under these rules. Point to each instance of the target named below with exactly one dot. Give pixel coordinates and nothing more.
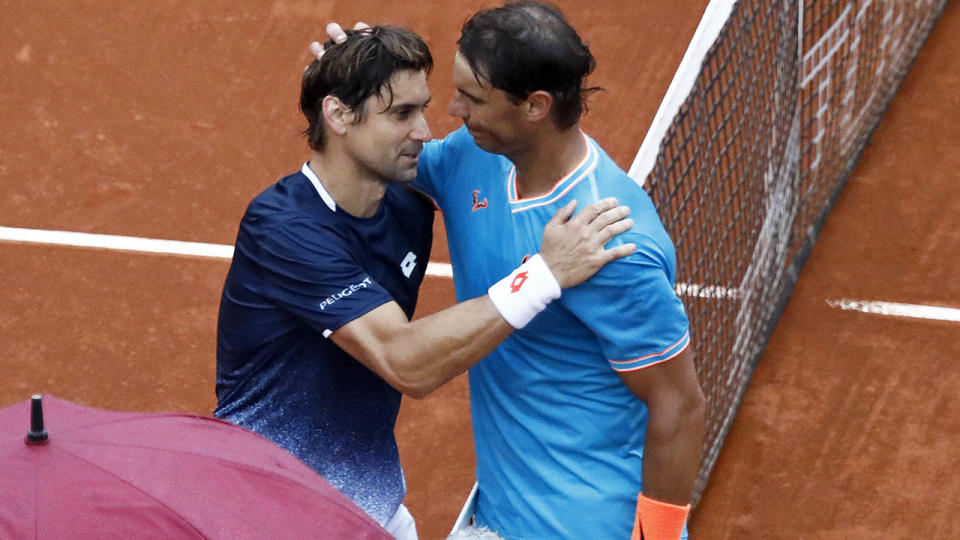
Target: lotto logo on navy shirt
(408, 264)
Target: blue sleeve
(632, 308)
(429, 169)
(308, 270)
(437, 161)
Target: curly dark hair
(357, 68)
(523, 47)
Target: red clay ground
(162, 120)
(851, 425)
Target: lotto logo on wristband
(523, 293)
(518, 281)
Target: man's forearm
(434, 349)
(671, 454)
(671, 459)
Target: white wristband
(525, 292)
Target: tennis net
(766, 117)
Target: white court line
(914, 311)
(222, 251)
(706, 291)
(122, 243)
(146, 245)
(438, 269)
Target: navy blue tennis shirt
(302, 268)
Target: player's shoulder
(407, 195)
(292, 199)
(458, 138)
(459, 147)
(277, 197)
(609, 180)
(446, 163)
(409, 202)
(608, 172)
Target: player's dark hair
(523, 47)
(359, 67)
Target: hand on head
(337, 34)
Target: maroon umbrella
(103, 474)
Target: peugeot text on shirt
(345, 292)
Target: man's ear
(336, 115)
(537, 105)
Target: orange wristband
(658, 520)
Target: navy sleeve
(308, 270)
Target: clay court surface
(163, 119)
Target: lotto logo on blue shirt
(347, 291)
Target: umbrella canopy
(103, 474)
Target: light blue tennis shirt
(559, 437)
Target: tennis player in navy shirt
(315, 342)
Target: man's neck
(357, 194)
(551, 156)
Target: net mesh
(786, 98)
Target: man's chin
(404, 177)
(485, 144)
(482, 141)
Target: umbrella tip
(36, 435)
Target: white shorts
(401, 525)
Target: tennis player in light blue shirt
(556, 430)
(588, 421)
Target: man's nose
(457, 108)
(421, 130)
